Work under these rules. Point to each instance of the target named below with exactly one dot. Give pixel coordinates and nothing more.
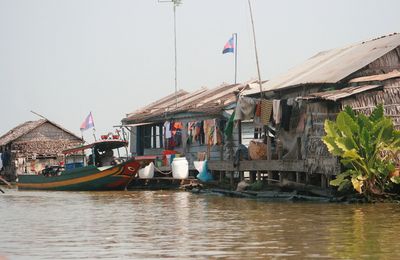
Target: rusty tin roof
(334, 95)
(331, 66)
(204, 101)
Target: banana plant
(368, 147)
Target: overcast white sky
(65, 58)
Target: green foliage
(367, 147)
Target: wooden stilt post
(323, 181)
(232, 180)
(269, 155)
(299, 157)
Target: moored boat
(100, 172)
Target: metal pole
(255, 49)
(176, 60)
(175, 3)
(235, 35)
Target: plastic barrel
(180, 168)
(147, 172)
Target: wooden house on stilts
(187, 124)
(361, 75)
(288, 121)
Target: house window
(152, 136)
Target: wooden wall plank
(264, 165)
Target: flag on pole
(229, 46)
(88, 123)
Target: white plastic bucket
(147, 172)
(198, 165)
(180, 168)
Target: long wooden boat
(93, 177)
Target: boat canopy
(101, 146)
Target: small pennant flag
(229, 46)
(88, 123)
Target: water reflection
(180, 225)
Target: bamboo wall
(389, 97)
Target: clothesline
(202, 131)
(265, 111)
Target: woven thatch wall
(384, 64)
(389, 97)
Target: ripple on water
(180, 225)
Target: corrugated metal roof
(206, 101)
(333, 65)
(163, 103)
(25, 128)
(335, 95)
(379, 77)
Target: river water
(182, 225)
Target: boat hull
(89, 178)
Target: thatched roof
(27, 127)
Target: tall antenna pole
(176, 59)
(255, 49)
(175, 4)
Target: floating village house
(189, 124)
(297, 103)
(29, 147)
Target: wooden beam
(264, 165)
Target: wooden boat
(88, 175)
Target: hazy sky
(65, 58)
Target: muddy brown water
(182, 225)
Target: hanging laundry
(176, 126)
(290, 101)
(229, 127)
(286, 114)
(176, 130)
(178, 138)
(219, 137)
(167, 129)
(266, 111)
(198, 132)
(209, 128)
(277, 111)
(295, 117)
(190, 132)
(215, 132)
(257, 114)
(245, 108)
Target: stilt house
(188, 124)
(360, 75)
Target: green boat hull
(89, 178)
